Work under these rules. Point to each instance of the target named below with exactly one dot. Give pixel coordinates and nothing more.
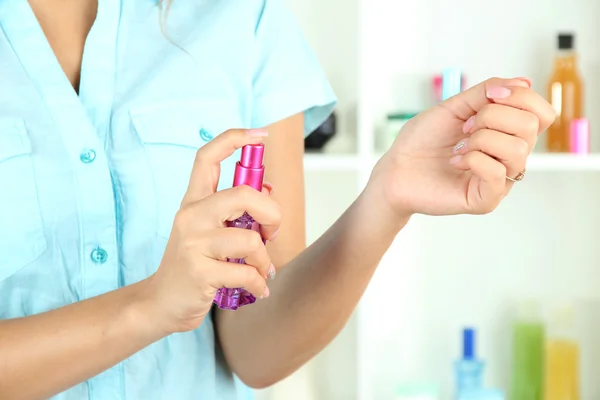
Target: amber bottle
(565, 93)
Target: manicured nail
(498, 93)
(455, 159)
(469, 125)
(272, 272)
(461, 145)
(257, 132)
(274, 235)
(528, 81)
(268, 186)
(267, 293)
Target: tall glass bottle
(565, 93)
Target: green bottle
(528, 354)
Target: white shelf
(564, 162)
(331, 162)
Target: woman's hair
(163, 12)
(163, 7)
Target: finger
(229, 205)
(469, 102)
(524, 99)
(238, 244)
(484, 194)
(205, 172)
(505, 119)
(232, 275)
(510, 150)
(267, 188)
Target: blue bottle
(469, 370)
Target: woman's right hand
(195, 265)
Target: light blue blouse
(89, 184)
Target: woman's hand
(194, 265)
(455, 158)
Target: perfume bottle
(248, 171)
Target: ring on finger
(520, 176)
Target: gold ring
(517, 178)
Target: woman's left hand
(455, 157)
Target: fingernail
(498, 93)
(469, 124)
(268, 186)
(455, 159)
(528, 81)
(274, 235)
(461, 145)
(272, 272)
(257, 132)
(267, 293)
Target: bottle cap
(252, 155)
(579, 136)
(469, 344)
(566, 41)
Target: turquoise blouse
(89, 184)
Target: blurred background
(524, 280)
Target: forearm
(312, 298)
(45, 354)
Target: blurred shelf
(563, 162)
(331, 162)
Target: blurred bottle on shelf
(565, 93)
(323, 134)
(527, 353)
(579, 136)
(394, 124)
(469, 370)
(562, 357)
(450, 83)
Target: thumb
(466, 104)
(207, 165)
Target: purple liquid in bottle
(249, 171)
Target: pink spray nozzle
(252, 155)
(250, 170)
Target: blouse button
(205, 135)
(87, 156)
(99, 255)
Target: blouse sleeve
(288, 78)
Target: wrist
(143, 311)
(381, 206)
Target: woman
(112, 235)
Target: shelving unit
(443, 273)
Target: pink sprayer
(248, 171)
